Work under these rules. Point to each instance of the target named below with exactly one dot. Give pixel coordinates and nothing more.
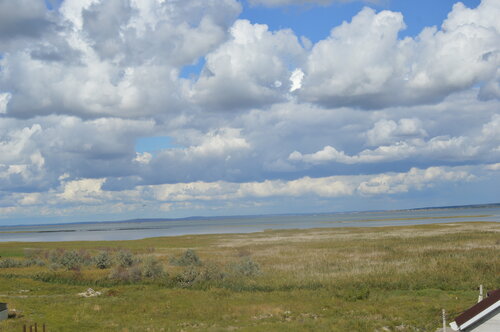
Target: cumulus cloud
(82, 191)
(113, 58)
(33, 155)
(388, 131)
(249, 70)
(414, 179)
(340, 71)
(483, 146)
(89, 194)
(215, 155)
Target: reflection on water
(132, 230)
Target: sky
(123, 109)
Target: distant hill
(473, 206)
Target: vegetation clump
(152, 268)
(71, 260)
(188, 258)
(124, 258)
(246, 267)
(9, 263)
(103, 260)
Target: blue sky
(316, 21)
(173, 109)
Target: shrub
(211, 272)
(152, 268)
(188, 258)
(102, 260)
(188, 277)
(124, 258)
(9, 262)
(246, 267)
(71, 260)
(35, 261)
(193, 275)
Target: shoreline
(266, 231)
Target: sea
(147, 228)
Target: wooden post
(31, 328)
(36, 328)
(43, 327)
(444, 321)
(24, 328)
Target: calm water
(139, 230)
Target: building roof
(3, 306)
(477, 311)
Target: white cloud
(88, 194)
(143, 157)
(296, 79)
(127, 66)
(493, 167)
(243, 72)
(414, 179)
(465, 52)
(4, 101)
(388, 131)
(405, 143)
(82, 191)
(324, 187)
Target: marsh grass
(356, 279)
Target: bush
(211, 272)
(188, 258)
(188, 277)
(102, 260)
(124, 258)
(71, 260)
(246, 267)
(35, 261)
(193, 275)
(9, 262)
(152, 268)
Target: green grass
(342, 279)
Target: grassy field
(342, 279)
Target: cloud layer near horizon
(357, 117)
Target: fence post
(43, 327)
(36, 328)
(24, 328)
